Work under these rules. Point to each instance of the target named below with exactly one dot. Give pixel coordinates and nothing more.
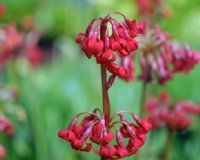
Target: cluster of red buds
(10, 42)
(2, 9)
(148, 6)
(176, 116)
(6, 127)
(92, 129)
(112, 43)
(152, 7)
(183, 59)
(31, 49)
(14, 43)
(2, 152)
(161, 58)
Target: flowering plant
(112, 49)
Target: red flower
(117, 43)
(2, 9)
(11, 41)
(106, 151)
(6, 126)
(93, 128)
(2, 152)
(184, 59)
(160, 58)
(175, 116)
(31, 49)
(127, 63)
(152, 7)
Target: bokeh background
(67, 83)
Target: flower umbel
(176, 116)
(6, 126)
(92, 129)
(160, 58)
(119, 42)
(2, 152)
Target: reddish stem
(106, 102)
(141, 113)
(103, 158)
(143, 98)
(105, 97)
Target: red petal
(122, 152)
(87, 148)
(132, 46)
(80, 38)
(96, 47)
(108, 56)
(62, 133)
(87, 51)
(77, 144)
(116, 46)
(146, 124)
(124, 52)
(108, 138)
(122, 72)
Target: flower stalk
(105, 96)
(143, 98)
(168, 145)
(142, 109)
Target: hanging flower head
(160, 58)
(2, 9)
(110, 42)
(6, 126)
(150, 8)
(2, 152)
(175, 116)
(183, 59)
(10, 42)
(92, 129)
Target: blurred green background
(70, 83)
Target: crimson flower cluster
(176, 116)
(6, 127)
(2, 152)
(149, 7)
(2, 9)
(14, 43)
(160, 58)
(11, 41)
(115, 46)
(92, 129)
